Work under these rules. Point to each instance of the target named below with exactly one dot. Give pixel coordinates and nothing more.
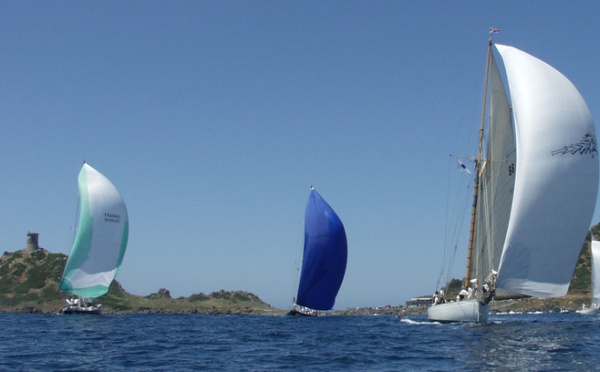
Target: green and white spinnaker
(101, 237)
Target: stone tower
(32, 242)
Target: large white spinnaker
(556, 178)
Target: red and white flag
(494, 30)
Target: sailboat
(99, 245)
(324, 258)
(535, 186)
(595, 280)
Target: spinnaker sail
(101, 237)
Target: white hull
(462, 311)
(591, 311)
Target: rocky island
(29, 280)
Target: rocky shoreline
(29, 284)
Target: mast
(478, 167)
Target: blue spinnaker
(325, 255)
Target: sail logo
(511, 169)
(112, 217)
(587, 145)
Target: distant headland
(29, 280)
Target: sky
(214, 118)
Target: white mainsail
(497, 182)
(101, 237)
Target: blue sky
(213, 118)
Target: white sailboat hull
(591, 311)
(461, 311)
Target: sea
(191, 342)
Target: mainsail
(325, 255)
(497, 178)
(101, 237)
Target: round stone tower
(32, 242)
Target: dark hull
(81, 310)
(297, 312)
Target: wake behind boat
(324, 259)
(99, 245)
(535, 186)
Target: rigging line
(452, 218)
(456, 212)
(446, 243)
(298, 264)
(446, 228)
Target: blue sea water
(538, 342)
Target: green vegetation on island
(29, 281)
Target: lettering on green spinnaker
(112, 217)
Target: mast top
(493, 30)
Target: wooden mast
(478, 168)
